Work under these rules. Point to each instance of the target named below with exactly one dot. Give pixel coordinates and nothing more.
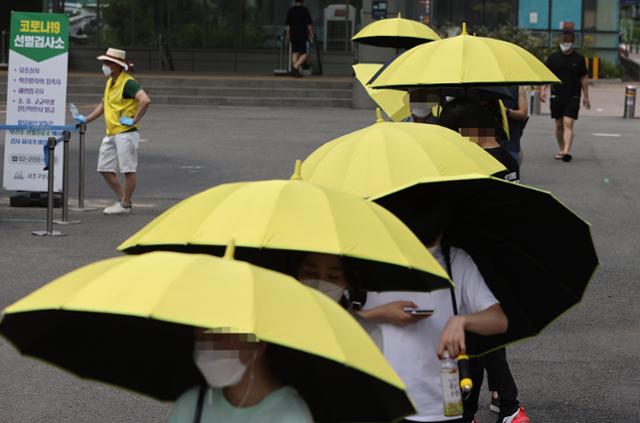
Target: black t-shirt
(569, 68)
(298, 18)
(512, 174)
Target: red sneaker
(519, 416)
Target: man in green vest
(123, 105)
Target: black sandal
(567, 157)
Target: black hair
(427, 221)
(569, 32)
(467, 113)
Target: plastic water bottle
(450, 386)
(74, 110)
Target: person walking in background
(570, 67)
(123, 105)
(299, 32)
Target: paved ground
(583, 368)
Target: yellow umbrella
(464, 60)
(129, 321)
(387, 155)
(394, 103)
(395, 32)
(269, 219)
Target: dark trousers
(499, 379)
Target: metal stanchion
(629, 102)
(65, 183)
(51, 146)
(81, 207)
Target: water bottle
(450, 386)
(74, 110)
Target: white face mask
(329, 289)
(421, 109)
(106, 70)
(220, 368)
(565, 47)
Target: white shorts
(119, 152)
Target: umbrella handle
(464, 370)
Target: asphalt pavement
(583, 368)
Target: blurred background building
(245, 36)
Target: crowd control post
(51, 147)
(629, 102)
(65, 183)
(81, 161)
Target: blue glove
(126, 121)
(80, 119)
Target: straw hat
(116, 56)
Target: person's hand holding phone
(396, 313)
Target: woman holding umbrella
(241, 384)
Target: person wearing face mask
(570, 67)
(330, 274)
(124, 104)
(241, 385)
(423, 104)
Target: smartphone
(418, 311)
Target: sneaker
(495, 402)
(519, 416)
(116, 209)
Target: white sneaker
(116, 209)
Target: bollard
(81, 162)
(629, 102)
(534, 105)
(51, 146)
(65, 183)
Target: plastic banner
(36, 96)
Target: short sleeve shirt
(412, 350)
(298, 19)
(569, 68)
(283, 405)
(131, 88)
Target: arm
(521, 113)
(310, 31)
(288, 33)
(585, 91)
(490, 321)
(96, 113)
(391, 313)
(143, 103)
(543, 93)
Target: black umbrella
(536, 255)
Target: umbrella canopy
(536, 255)
(129, 321)
(396, 33)
(464, 60)
(270, 219)
(394, 103)
(387, 155)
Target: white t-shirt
(283, 405)
(412, 350)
